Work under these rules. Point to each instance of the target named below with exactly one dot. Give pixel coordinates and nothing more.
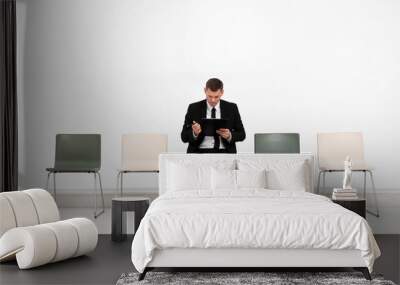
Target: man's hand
(225, 133)
(196, 128)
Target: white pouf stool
(31, 232)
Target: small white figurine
(347, 174)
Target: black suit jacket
(197, 111)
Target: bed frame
(238, 259)
(246, 259)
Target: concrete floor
(110, 260)
(103, 266)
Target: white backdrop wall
(122, 66)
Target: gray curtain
(8, 97)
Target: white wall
(124, 66)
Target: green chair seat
(277, 143)
(73, 170)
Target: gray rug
(228, 278)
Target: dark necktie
(216, 136)
(213, 113)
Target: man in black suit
(224, 141)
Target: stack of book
(344, 194)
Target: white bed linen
(251, 218)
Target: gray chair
(277, 143)
(78, 153)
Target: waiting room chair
(78, 153)
(333, 148)
(140, 154)
(277, 143)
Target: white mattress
(253, 218)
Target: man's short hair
(214, 84)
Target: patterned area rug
(229, 278)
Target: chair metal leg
(96, 213)
(375, 197)
(319, 180)
(122, 182)
(118, 178)
(47, 182)
(365, 185)
(54, 187)
(95, 195)
(101, 191)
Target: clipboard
(211, 125)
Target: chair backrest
(78, 152)
(334, 147)
(140, 151)
(26, 208)
(277, 143)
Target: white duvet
(250, 219)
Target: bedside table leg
(116, 223)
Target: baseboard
(84, 198)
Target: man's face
(213, 97)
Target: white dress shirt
(208, 141)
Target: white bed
(203, 220)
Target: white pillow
(293, 178)
(282, 174)
(251, 178)
(227, 179)
(182, 177)
(186, 174)
(223, 179)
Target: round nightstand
(358, 206)
(120, 205)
